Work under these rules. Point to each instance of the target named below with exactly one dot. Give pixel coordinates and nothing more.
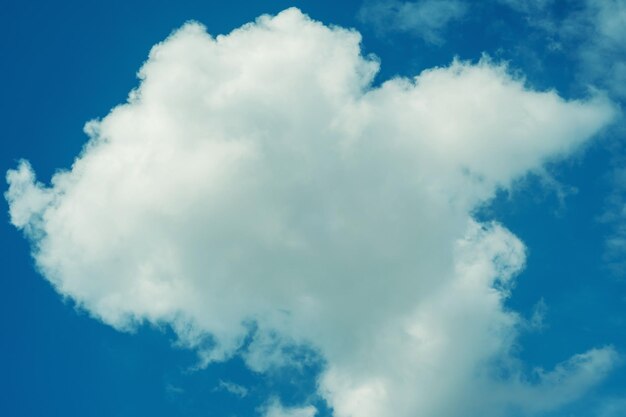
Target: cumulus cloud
(258, 195)
(426, 19)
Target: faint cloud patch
(426, 19)
(527, 6)
(232, 388)
(173, 391)
(592, 34)
(612, 408)
(537, 321)
(275, 409)
(615, 215)
(599, 30)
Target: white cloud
(259, 178)
(424, 18)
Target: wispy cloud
(593, 34)
(611, 407)
(230, 387)
(615, 217)
(599, 31)
(275, 409)
(426, 19)
(528, 6)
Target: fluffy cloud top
(256, 186)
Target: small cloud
(232, 388)
(173, 390)
(537, 321)
(426, 19)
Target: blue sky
(287, 331)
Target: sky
(292, 209)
